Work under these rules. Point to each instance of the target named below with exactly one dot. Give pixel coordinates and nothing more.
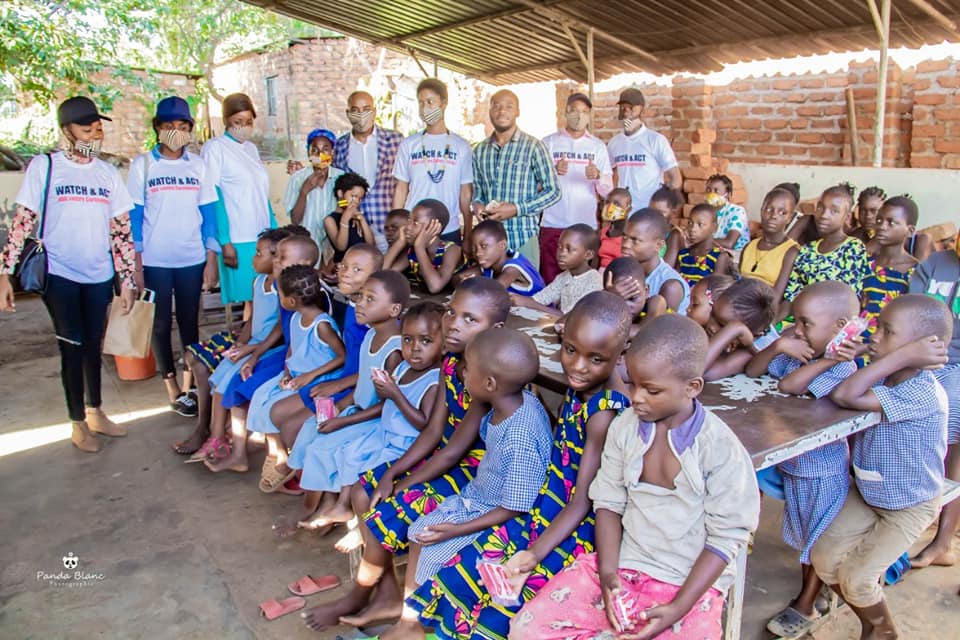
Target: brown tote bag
(129, 335)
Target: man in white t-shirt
(584, 172)
(436, 163)
(642, 158)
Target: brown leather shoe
(100, 423)
(83, 438)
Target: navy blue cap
(78, 110)
(321, 133)
(174, 108)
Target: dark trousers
(549, 241)
(79, 313)
(183, 285)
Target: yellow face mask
(613, 213)
(321, 160)
(715, 200)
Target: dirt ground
(172, 551)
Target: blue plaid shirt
(378, 203)
(898, 463)
(832, 458)
(521, 173)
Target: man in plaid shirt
(514, 178)
(371, 152)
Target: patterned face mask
(174, 139)
(613, 213)
(577, 121)
(431, 116)
(321, 160)
(360, 121)
(241, 134)
(629, 124)
(87, 149)
(715, 200)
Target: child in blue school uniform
(497, 366)
(814, 483)
(314, 349)
(897, 463)
(495, 260)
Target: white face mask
(87, 149)
(174, 139)
(431, 115)
(577, 121)
(360, 121)
(240, 134)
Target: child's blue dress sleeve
(136, 226)
(208, 222)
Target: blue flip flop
(895, 572)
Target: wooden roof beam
(934, 13)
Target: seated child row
(422, 440)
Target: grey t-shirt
(939, 276)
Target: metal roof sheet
(510, 41)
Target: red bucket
(136, 368)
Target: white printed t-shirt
(174, 190)
(640, 160)
(235, 168)
(435, 166)
(82, 200)
(579, 201)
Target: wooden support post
(413, 54)
(852, 127)
(591, 70)
(879, 125)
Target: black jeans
(79, 313)
(184, 285)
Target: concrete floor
(185, 554)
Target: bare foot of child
(934, 556)
(316, 523)
(328, 614)
(351, 541)
(192, 443)
(230, 463)
(385, 606)
(330, 517)
(404, 630)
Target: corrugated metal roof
(511, 41)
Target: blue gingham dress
(509, 476)
(815, 483)
(949, 378)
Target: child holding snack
(494, 260)
(625, 277)
(676, 500)
(770, 257)
(702, 256)
(379, 306)
(642, 240)
(669, 201)
(897, 496)
(419, 252)
(613, 217)
(441, 461)
(498, 364)
(347, 226)
(575, 253)
(815, 483)
(537, 545)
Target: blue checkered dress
(815, 483)
(509, 476)
(898, 463)
(949, 377)
(520, 172)
(378, 203)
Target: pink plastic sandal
(212, 449)
(273, 609)
(308, 585)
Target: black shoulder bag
(31, 271)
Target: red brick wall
(935, 142)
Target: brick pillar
(862, 78)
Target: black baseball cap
(582, 97)
(78, 110)
(632, 96)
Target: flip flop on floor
(308, 585)
(790, 623)
(273, 609)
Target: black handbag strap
(46, 196)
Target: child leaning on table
(897, 463)
(673, 508)
(814, 483)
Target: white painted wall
(936, 191)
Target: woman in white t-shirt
(437, 164)
(174, 232)
(87, 237)
(243, 188)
